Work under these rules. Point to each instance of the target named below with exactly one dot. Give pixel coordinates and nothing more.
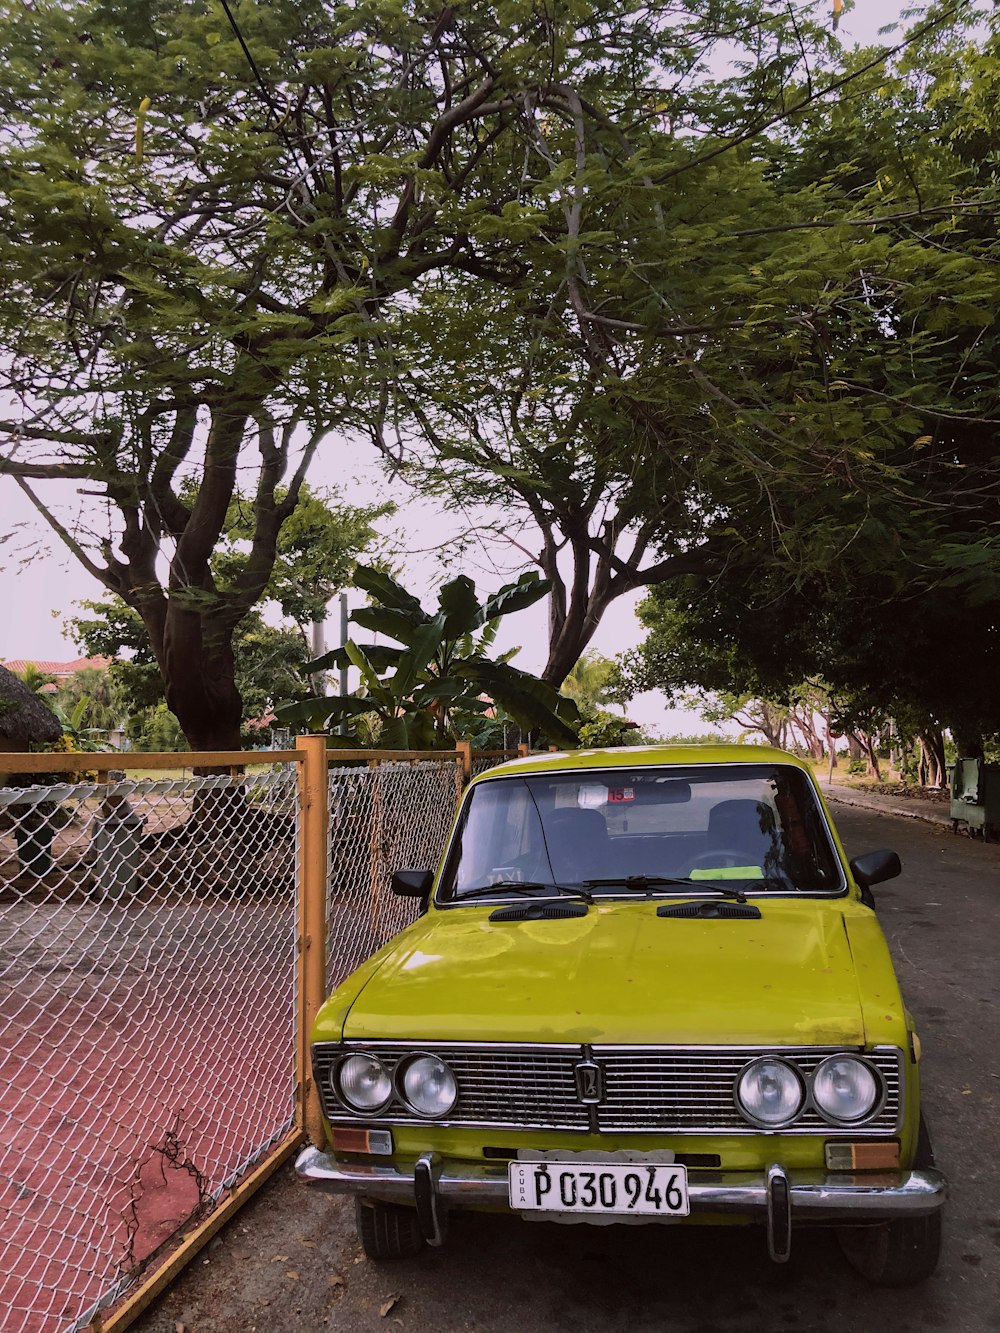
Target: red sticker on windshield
(619, 794)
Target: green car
(646, 986)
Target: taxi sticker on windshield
(619, 794)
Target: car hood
(618, 974)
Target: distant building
(60, 670)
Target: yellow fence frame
(312, 758)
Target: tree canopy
(213, 221)
(693, 290)
(788, 362)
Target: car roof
(634, 756)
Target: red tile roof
(58, 669)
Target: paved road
(271, 1270)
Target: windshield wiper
(484, 890)
(659, 881)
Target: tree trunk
(831, 742)
(573, 618)
(871, 756)
(199, 679)
(932, 758)
(194, 652)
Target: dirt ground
(290, 1262)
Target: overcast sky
(40, 582)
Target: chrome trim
(562, 1111)
(818, 1196)
(543, 1047)
(614, 1048)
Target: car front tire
(897, 1254)
(387, 1231)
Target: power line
(250, 60)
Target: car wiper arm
(659, 881)
(484, 890)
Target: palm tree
(35, 679)
(105, 708)
(588, 684)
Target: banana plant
(439, 669)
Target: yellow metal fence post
(314, 816)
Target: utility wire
(274, 111)
(250, 60)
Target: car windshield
(753, 827)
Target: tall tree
(316, 550)
(789, 357)
(212, 218)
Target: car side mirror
(412, 883)
(875, 868)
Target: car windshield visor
(754, 828)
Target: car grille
(645, 1089)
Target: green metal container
(975, 797)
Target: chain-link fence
(147, 1021)
(155, 994)
(484, 760)
(387, 816)
(384, 817)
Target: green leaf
(460, 605)
(443, 691)
(382, 620)
(378, 584)
(425, 644)
(528, 589)
(530, 701)
(381, 656)
(319, 710)
(412, 731)
(359, 658)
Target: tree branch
(104, 576)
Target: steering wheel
(721, 858)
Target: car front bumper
(774, 1196)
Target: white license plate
(599, 1187)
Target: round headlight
(845, 1089)
(364, 1084)
(428, 1086)
(770, 1093)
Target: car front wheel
(388, 1231)
(897, 1254)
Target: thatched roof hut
(24, 719)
